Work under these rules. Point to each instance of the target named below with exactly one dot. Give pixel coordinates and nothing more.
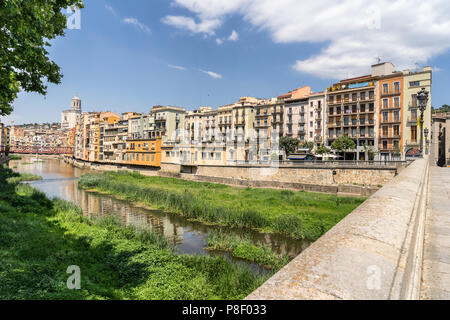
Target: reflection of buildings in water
(284, 246)
(97, 206)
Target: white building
(69, 118)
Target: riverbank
(243, 248)
(41, 238)
(300, 215)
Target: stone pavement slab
(436, 258)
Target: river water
(60, 181)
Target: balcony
(390, 107)
(390, 136)
(390, 93)
(388, 121)
(412, 120)
(412, 143)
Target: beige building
(305, 115)
(412, 84)
(166, 122)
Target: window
(396, 116)
(385, 131)
(413, 115)
(362, 96)
(385, 103)
(413, 133)
(167, 154)
(385, 144)
(414, 100)
(414, 84)
(153, 157)
(396, 86)
(385, 87)
(397, 102)
(385, 116)
(396, 130)
(218, 155)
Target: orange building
(143, 152)
(391, 116)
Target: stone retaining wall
(255, 177)
(373, 253)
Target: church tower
(76, 104)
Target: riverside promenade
(436, 259)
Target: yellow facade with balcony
(143, 152)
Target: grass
(23, 177)
(41, 238)
(242, 247)
(14, 157)
(300, 215)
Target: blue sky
(127, 54)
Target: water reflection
(60, 180)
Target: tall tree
(308, 145)
(289, 145)
(26, 27)
(343, 144)
(323, 150)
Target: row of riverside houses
(378, 111)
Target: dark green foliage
(40, 238)
(289, 145)
(26, 26)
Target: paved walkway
(436, 259)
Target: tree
(308, 145)
(370, 151)
(323, 150)
(26, 26)
(343, 144)
(289, 145)
(445, 108)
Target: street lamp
(422, 97)
(426, 131)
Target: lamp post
(426, 131)
(422, 97)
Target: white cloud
(111, 10)
(135, 22)
(234, 36)
(212, 74)
(176, 67)
(353, 33)
(206, 26)
(219, 41)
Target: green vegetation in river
(23, 177)
(41, 238)
(299, 214)
(242, 247)
(14, 157)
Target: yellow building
(413, 83)
(143, 152)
